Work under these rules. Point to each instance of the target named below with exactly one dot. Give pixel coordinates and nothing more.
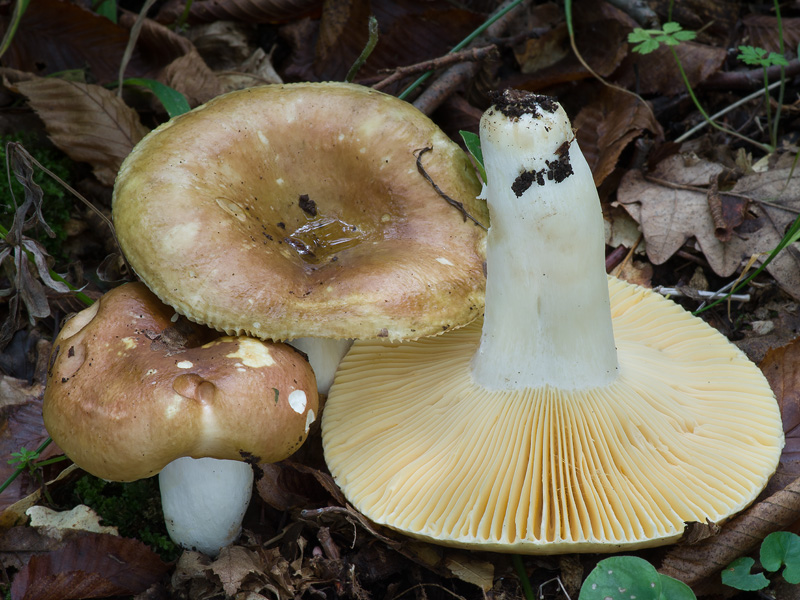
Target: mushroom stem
(324, 356)
(548, 316)
(204, 501)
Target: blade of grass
(19, 9)
(368, 48)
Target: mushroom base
(689, 431)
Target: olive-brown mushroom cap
(129, 390)
(298, 210)
(690, 431)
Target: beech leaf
(87, 122)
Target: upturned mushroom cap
(689, 431)
(298, 210)
(129, 390)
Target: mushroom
(584, 414)
(132, 392)
(302, 211)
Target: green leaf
(107, 9)
(174, 102)
(638, 35)
(737, 575)
(673, 589)
(671, 27)
(777, 59)
(684, 36)
(621, 578)
(782, 548)
(473, 144)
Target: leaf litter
(703, 210)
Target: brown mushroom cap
(298, 210)
(129, 391)
(689, 431)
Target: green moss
(134, 508)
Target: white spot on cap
(279, 181)
(262, 138)
(151, 371)
(297, 400)
(185, 364)
(310, 418)
(252, 353)
(444, 261)
(341, 137)
(256, 325)
(233, 209)
(362, 150)
(385, 218)
(129, 343)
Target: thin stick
(469, 55)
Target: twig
(468, 55)
(460, 74)
(695, 294)
(732, 80)
(452, 202)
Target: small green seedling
(779, 549)
(629, 577)
(648, 40)
(758, 57)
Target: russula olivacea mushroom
(132, 392)
(302, 211)
(583, 414)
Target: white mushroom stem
(548, 319)
(204, 501)
(324, 356)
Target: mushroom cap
(298, 210)
(129, 390)
(690, 431)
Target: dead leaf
(781, 367)
(54, 522)
(192, 77)
(657, 72)
(694, 564)
(761, 31)
(87, 122)
(93, 565)
(606, 126)
(470, 569)
(233, 565)
(669, 214)
(55, 36)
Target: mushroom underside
(689, 431)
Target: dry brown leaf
(669, 215)
(93, 565)
(233, 565)
(657, 72)
(470, 569)
(693, 564)
(607, 125)
(190, 75)
(781, 366)
(56, 523)
(762, 31)
(55, 35)
(87, 122)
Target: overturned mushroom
(130, 393)
(582, 414)
(300, 211)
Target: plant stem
(774, 131)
